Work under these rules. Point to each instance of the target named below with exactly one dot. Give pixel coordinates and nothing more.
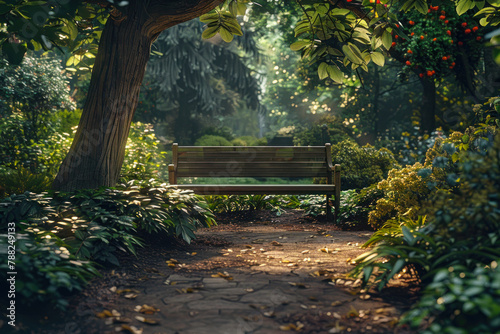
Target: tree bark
(97, 153)
(428, 111)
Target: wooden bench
(258, 162)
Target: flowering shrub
(361, 166)
(439, 43)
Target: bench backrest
(252, 161)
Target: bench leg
(328, 208)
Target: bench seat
(294, 162)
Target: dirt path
(263, 275)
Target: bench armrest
(172, 177)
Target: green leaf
(299, 45)
(408, 236)
(210, 32)
(387, 39)
(335, 74)
(494, 3)
(209, 18)
(352, 53)
(464, 5)
(421, 6)
(378, 58)
(322, 72)
(226, 35)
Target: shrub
(459, 301)
(461, 238)
(361, 166)
(144, 159)
(328, 129)
(355, 206)
(249, 141)
(210, 140)
(46, 271)
(34, 89)
(59, 230)
(404, 193)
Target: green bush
(361, 166)
(462, 235)
(355, 206)
(144, 159)
(46, 270)
(34, 89)
(60, 231)
(210, 140)
(249, 141)
(459, 301)
(328, 129)
(404, 192)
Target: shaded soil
(253, 273)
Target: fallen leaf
(224, 275)
(128, 329)
(146, 309)
(275, 243)
(249, 246)
(126, 291)
(104, 314)
(298, 285)
(258, 241)
(146, 320)
(305, 251)
(269, 314)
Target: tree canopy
(336, 36)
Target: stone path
(265, 279)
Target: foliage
(58, 230)
(143, 156)
(355, 206)
(35, 89)
(249, 141)
(210, 140)
(437, 41)
(73, 25)
(196, 82)
(460, 301)
(46, 270)
(404, 192)
(230, 203)
(327, 129)
(465, 233)
(362, 166)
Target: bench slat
(252, 172)
(260, 189)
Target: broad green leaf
(464, 5)
(421, 6)
(408, 236)
(211, 17)
(322, 72)
(386, 39)
(226, 35)
(494, 3)
(378, 58)
(335, 52)
(210, 32)
(299, 45)
(335, 74)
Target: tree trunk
(97, 153)
(98, 150)
(428, 111)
